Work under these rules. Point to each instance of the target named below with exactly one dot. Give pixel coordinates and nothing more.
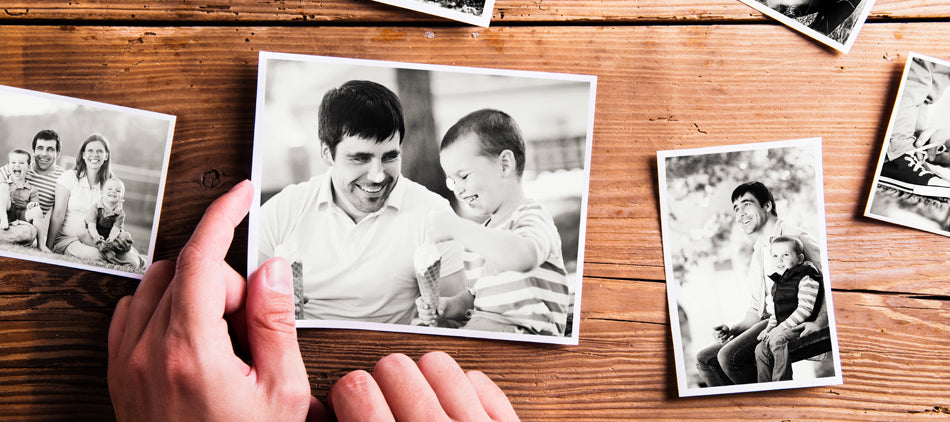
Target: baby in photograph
(796, 298)
(19, 197)
(105, 223)
(517, 283)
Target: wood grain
(659, 87)
(348, 12)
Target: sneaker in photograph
(908, 174)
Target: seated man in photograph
(350, 233)
(732, 360)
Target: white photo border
(887, 136)
(672, 287)
(482, 20)
(257, 170)
(844, 47)
(169, 119)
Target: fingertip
(162, 270)
(394, 362)
(278, 276)
(493, 399)
(356, 396)
(437, 360)
(317, 411)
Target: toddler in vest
(796, 298)
(522, 287)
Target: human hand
(808, 328)
(170, 354)
(722, 332)
(763, 336)
(427, 315)
(33, 204)
(434, 389)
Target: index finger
(201, 275)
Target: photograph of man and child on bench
(429, 199)
(82, 181)
(747, 267)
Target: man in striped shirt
(43, 176)
(796, 298)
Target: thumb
(271, 332)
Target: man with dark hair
(42, 175)
(350, 234)
(732, 361)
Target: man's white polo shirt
(352, 271)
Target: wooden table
(672, 74)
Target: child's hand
(722, 332)
(764, 335)
(427, 315)
(31, 205)
(439, 226)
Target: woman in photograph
(78, 191)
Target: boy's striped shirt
(536, 301)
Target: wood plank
(622, 368)
(729, 87)
(658, 88)
(350, 11)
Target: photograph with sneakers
(426, 199)
(82, 182)
(912, 183)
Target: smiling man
(732, 360)
(350, 233)
(42, 175)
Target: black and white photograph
(912, 182)
(473, 12)
(423, 198)
(82, 182)
(747, 280)
(835, 23)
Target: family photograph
(81, 185)
(746, 264)
(426, 199)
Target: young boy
(105, 223)
(523, 286)
(19, 198)
(796, 298)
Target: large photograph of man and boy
(82, 182)
(912, 182)
(421, 198)
(747, 267)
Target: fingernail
(238, 185)
(278, 278)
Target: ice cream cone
(428, 266)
